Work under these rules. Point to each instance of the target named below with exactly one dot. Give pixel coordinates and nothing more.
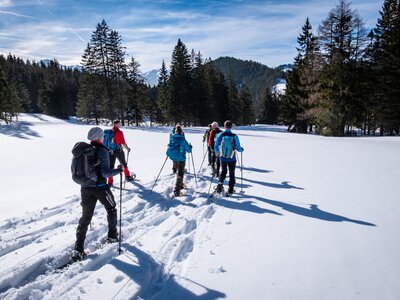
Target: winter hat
(95, 134)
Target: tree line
(345, 77)
(192, 91)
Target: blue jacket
(177, 147)
(236, 145)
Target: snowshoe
(177, 193)
(131, 177)
(110, 240)
(219, 188)
(78, 255)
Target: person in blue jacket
(177, 149)
(226, 145)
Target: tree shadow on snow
(312, 211)
(20, 130)
(153, 281)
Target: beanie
(95, 133)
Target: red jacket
(118, 136)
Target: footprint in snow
(118, 279)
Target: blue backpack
(109, 140)
(227, 146)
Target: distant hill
(253, 74)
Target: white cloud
(5, 3)
(266, 32)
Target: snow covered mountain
(317, 219)
(151, 77)
(279, 89)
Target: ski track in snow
(42, 241)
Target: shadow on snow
(20, 130)
(160, 285)
(313, 211)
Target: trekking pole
(127, 161)
(120, 213)
(209, 188)
(194, 171)
(189, 163)
(159, 174)
(241, 171)
(204, 157)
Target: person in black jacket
(94, 191)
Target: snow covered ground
(318, 219)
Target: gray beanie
(95, 133)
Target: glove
(242, 149)
(190, 146)
(129, 149)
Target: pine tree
(235, 105)
(384, 55)
(180, 83)
(90, 97)
(342, 40)
(136, 92)
(163, 94)
(55, 97)
(248, 115)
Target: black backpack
(84, 162)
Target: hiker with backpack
(226, 145)
(215, 163)
(114, 140)
(206, 137)
(90, 167)
(177, 149)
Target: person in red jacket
(214, 156)
(119, 154)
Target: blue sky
(263, 31)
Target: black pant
(231, 165)
(215, 159)
(180, 167)
(119, 153)
(209, 155)
(90, 195)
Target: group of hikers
(93, 167)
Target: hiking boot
(78, 255)
(231, 190)
(219, 188)
(217, 174)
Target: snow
(279, 88)
(318, 219)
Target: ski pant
(215, 159)
(209, 155)
(90, 195)
(231, 165)
(180, 167)
(120, 155)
